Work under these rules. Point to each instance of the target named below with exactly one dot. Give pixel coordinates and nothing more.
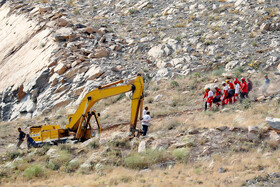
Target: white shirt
(146, 120)
(225, 88)
(144, 112)
(210, 94)
(237, 88)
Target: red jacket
(231, 86)
(205, 95)
(244, 87)
(218, 92)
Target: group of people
(230, 93)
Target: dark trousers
(243, 95)
(145, 129)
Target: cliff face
(25, 50)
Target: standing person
(266, 85)
(225, 94)
(145, 123)
(210, 98)
(205, 97)
(244, 89)
(230, 92)
(145, 111)
(237, 90)
(21, 137)
(250, 85)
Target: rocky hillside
(54, 51)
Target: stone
(145, 171)
(156, 52)
(261, 98)
(45, 9)
(222, 128)
(253, 133)
(274, 137)
(228, 75)
(90, 30)
(21, 93)
(158, 97)
(52, 152)
(273, 122)
(62, 22)
(232, 64)
(60, 69)
(64, 34)
(142, 146)
(100, 53)
(265, 26)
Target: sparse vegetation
(146, 159)
(33, 171)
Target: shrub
(181, 154)
(94, 144)
(65, 147)
(72, 166)
(33, 171)
(174, 84)
(172, 124)
(246, 103)
(52, 165)
(218, 71)
(146, 159)
(237, 71)
(14, 154)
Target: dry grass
(239, 168)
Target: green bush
(94, 144)
(33, 171)
(181, 154)
(218, 72)
(52, 165)
(14, 154)
(238, 71)
(72, 166)
(174, 84)
(146, 159)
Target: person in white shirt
(237, 91)
(145, 111)
(145, 123)
(210, 98)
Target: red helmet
(242, 79)
(236, 80)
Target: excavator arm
(137, 88)
(79, 122)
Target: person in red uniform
(225, 94)
(210, 98)
(205, 97)
(244, 89)
(230, 91)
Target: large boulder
(64, 34)
(273, 122)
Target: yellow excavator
(79, 126)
